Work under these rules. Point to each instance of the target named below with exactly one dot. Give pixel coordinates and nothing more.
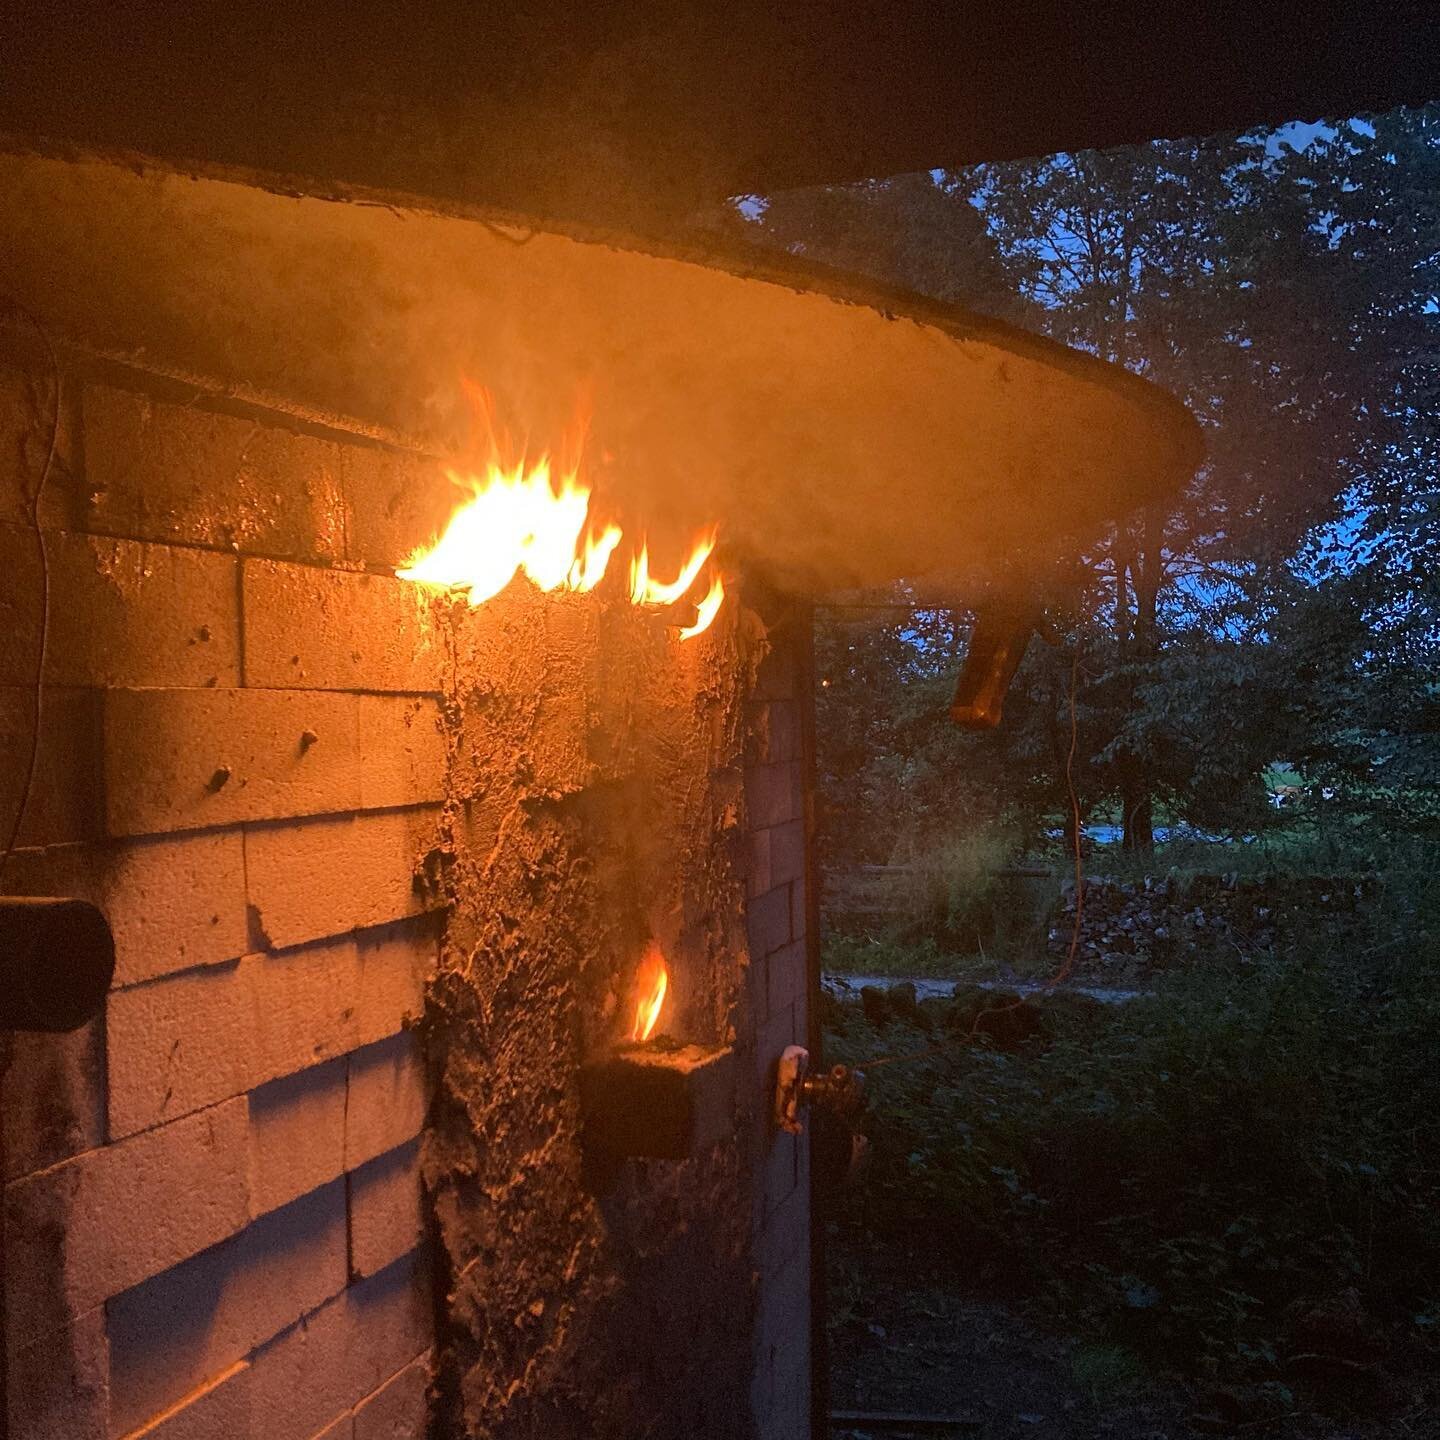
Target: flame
(708, 609)
(515, 520)
(524, 518)
(652, 981)
(647, 591)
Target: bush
(1190, 1175)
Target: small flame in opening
(520, 518)
(651, 982)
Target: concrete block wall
(776, 802)
(212, 1208)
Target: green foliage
(1183, 1175)
(1108, 1372)
(1288, 602)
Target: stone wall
(372, 858)
(611, 787)
(212, 1218)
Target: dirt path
(928, 987)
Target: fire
(525, 518)
(516, 520)
(651, 982)
(646, 590)
(707, 610)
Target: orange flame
(707, 610)
(645, 590)
(520, 518)
(652, 981)
(515, 520)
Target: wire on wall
(42, 648)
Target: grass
(1188, 1177)
(954, 918)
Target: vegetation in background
(1235, 1178)
(1286, 606)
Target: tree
(1281, 605)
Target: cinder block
(178, 1044)
(777, 1175)
(312, 878)
(784, 1243)
(158, 471)
(58, 1386)
(64, 802)
(787, 852)
(785, 1332)
(784, 731)
(27, 415)
(802, 1165)
(172, 903)
(185, 759)
(95, 1225)
(787, 976)
(762, 1391)
(297, 1135)
(757, 874)
(387, 1098)
(775, 730)
(338, 1355)
(757, 982)
(772, 794)
(52, 1098)
(218, 1410)
(121, 612)
(399, 502)
(336, 630)
(305, 1007)
(777, 678)
(797, 910)
(395, 962)
(386, 1219)
(767, 921)
(663, 1104)
(399, 1409)
(781, 1028)
(188, 1040)
(178, 1330)
(402, 751)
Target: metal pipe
(57, 958)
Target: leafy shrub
(1185, 1174)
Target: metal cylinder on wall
(57, 958)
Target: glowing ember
(521, 518)
(652, 981)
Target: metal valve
(839, 1152)
(839, 1089)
